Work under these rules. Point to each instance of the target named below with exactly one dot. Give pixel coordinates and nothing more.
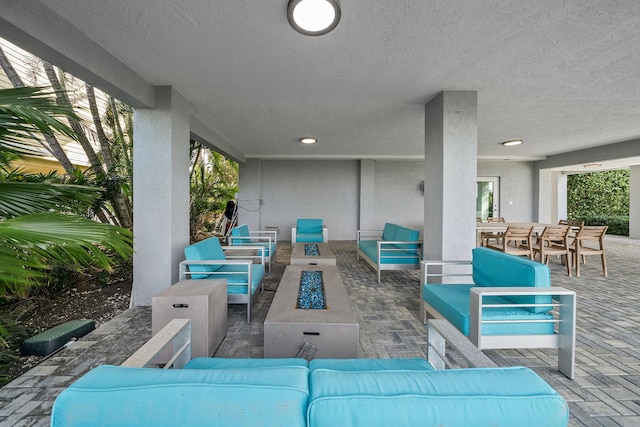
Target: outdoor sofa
(509, 303)
(296, 392)
(393, 248)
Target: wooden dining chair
(554, 240)
(515, 241)
(487, 236)
(589, 241)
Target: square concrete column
(451, 138)
(552, 196)
(634, 202)
(160, 193)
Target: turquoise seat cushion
(391, 256)
(237, 283)
(494, 268)
(208, 249)
(452, 302)
(244, 363)
(241, 235)
(460, 397)
(308, 237)
(370, 365)
(184, 397)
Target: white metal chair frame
(564, 316)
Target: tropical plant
(214, 181)
(39, 222)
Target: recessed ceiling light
(313, 17)
(593, 165)
(308, 140)
(513, 142)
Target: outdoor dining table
(502, 226)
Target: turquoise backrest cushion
(208, 249)
(493, 268)
(460, 397)
(115, 395)
(240, 231)
(309, 226)
(389, 232)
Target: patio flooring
(605, 392)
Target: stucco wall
(516, 187)
(271, 191)
(397, 197)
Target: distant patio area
(606, 390)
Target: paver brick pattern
(605, 392)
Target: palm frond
(24, 198)
(28, 243)
(28, 110)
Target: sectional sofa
(393, 248)
(320, 393)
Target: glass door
(488, 197)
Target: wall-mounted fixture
(308, 140)
(313, 17)
(513, 142)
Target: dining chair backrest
(592, 232)
(496, 219)
(571, 222)
(556, 234)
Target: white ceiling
(562, 75)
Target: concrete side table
(204, 302)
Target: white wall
(516, 187)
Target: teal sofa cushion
(208, 249)
(241, 234)
(114, 395)
(237, 280)
(404, 234)
(452, 301)
(389, 232)
(460, 397)
(391, 256)
(496, 269)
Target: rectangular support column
(634, 202)
(451, 137)
(160, 193)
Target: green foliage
(214, 181)
(600, 198)
(598, 193)
(618, 225)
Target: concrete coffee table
(324, 257)
(333, 331)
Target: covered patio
(605, 392)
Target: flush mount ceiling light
(313, 17)
(593, 165)
(308, 140)
(513, 142)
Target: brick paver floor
(605, 392)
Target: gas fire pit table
(333, 330)
(312, 254)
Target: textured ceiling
(562, 75)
